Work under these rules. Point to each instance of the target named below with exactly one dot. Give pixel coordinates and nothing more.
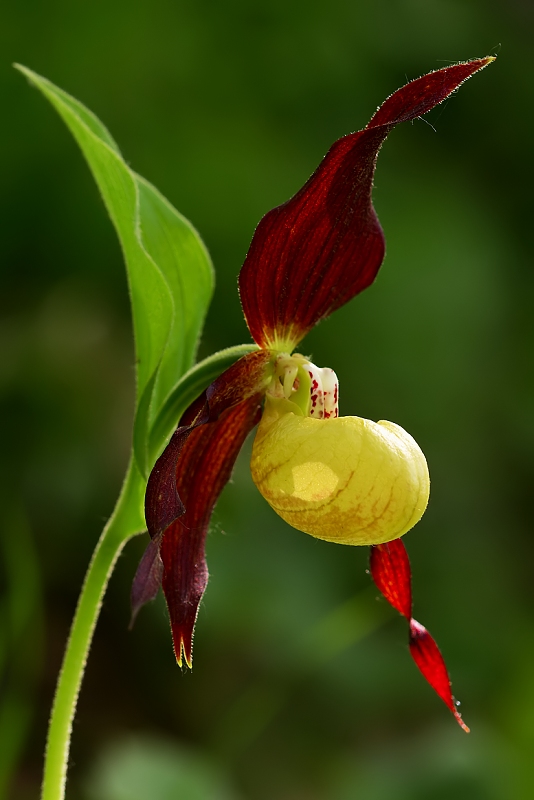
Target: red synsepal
(203, 469)
(315, 252)
(390, 568)
(184, 486)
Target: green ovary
(346, 479)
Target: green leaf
(170, 275)
(188, 388)
(177, 249)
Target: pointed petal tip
(478, 63)
(183, 651)
(431, 664)
(420, 95)
(460, 721)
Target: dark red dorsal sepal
(322, 247)
(390, 569)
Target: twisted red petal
(184, 486)
(315, 252)
(391, 572)
(390, 568)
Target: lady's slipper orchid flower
(343, 479)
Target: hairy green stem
(125, 522)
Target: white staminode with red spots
(324, 392)
(314, 389)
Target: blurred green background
(303, 688)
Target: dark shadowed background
(303, 688)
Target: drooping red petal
(390, 568)
(315, 252)
(184, 486)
